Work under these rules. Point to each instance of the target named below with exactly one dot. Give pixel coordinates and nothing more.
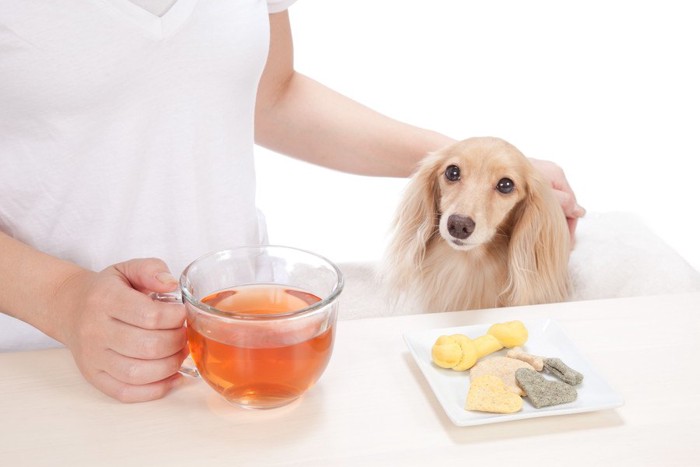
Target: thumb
(148, 275)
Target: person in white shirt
(127, 130)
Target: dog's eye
(505, 185)
(452, 173)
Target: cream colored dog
(478, 227)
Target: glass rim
(237, 316)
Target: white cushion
(616, 255)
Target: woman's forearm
(29, 280)
(321, 126)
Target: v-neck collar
(159, 27)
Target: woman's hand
(563, 192)
(126, 344)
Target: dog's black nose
(460, 227)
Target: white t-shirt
(124, 134)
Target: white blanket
(616, 255)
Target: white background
(607, 89)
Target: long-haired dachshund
(478, 227)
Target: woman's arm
(300, 117)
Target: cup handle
(188, 367)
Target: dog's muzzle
(460, 227)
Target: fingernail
(166, 278)
(580, 211)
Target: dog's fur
(518, 251)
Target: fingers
(133, 379)
(144, 312)
(124, 392)
(138, 308)
(138, 364)
(148, 275)
(572, 211)
(134, 342)
(137, 372)
(568, 203)
(563, 191)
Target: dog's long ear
(415, 222)
(538, 255)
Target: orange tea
(260, 362)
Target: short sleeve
(275, 6)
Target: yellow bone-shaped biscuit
(460, 353)
(510, 334)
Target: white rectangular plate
(545, 338)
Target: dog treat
(509, 334)
(486, 345)
(559, 369)
(446, 352)
(503, 368)
(519, 354)
(460, 353)
(469, 355)
(488, 394)
(455, 351)
(543, 392)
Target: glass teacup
(261, 321)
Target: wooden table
(374, 407)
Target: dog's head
(478, 184)
(484, 193)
